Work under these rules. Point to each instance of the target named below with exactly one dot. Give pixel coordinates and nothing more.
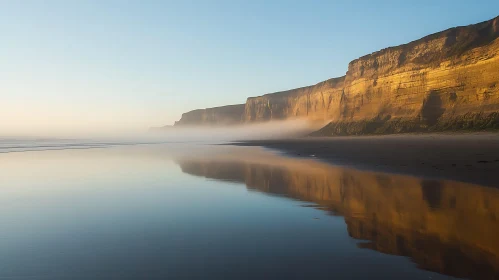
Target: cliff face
(439, 225)
(445, 81)
(225, 115)
(448, 80)
(314, 102)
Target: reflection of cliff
(447, 227)
(444, 81)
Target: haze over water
(197, 211)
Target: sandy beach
(472, 158)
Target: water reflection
(442, 226)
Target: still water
(178, 211)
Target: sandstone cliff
(448, 80)
(445, 81)
(313, 102)
(225, 115)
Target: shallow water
(178, 211)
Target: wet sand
(472, 158)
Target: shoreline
(471, 158)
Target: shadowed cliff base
(470, 158)
(427, 123)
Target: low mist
(258, 131)
(207, 134)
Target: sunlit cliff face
(444, 81)
(443, 226)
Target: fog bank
(208, 134)
(256, 131)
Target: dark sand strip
(472, 158)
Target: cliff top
(458, 40)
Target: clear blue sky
(79, 64)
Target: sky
(68, 65)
